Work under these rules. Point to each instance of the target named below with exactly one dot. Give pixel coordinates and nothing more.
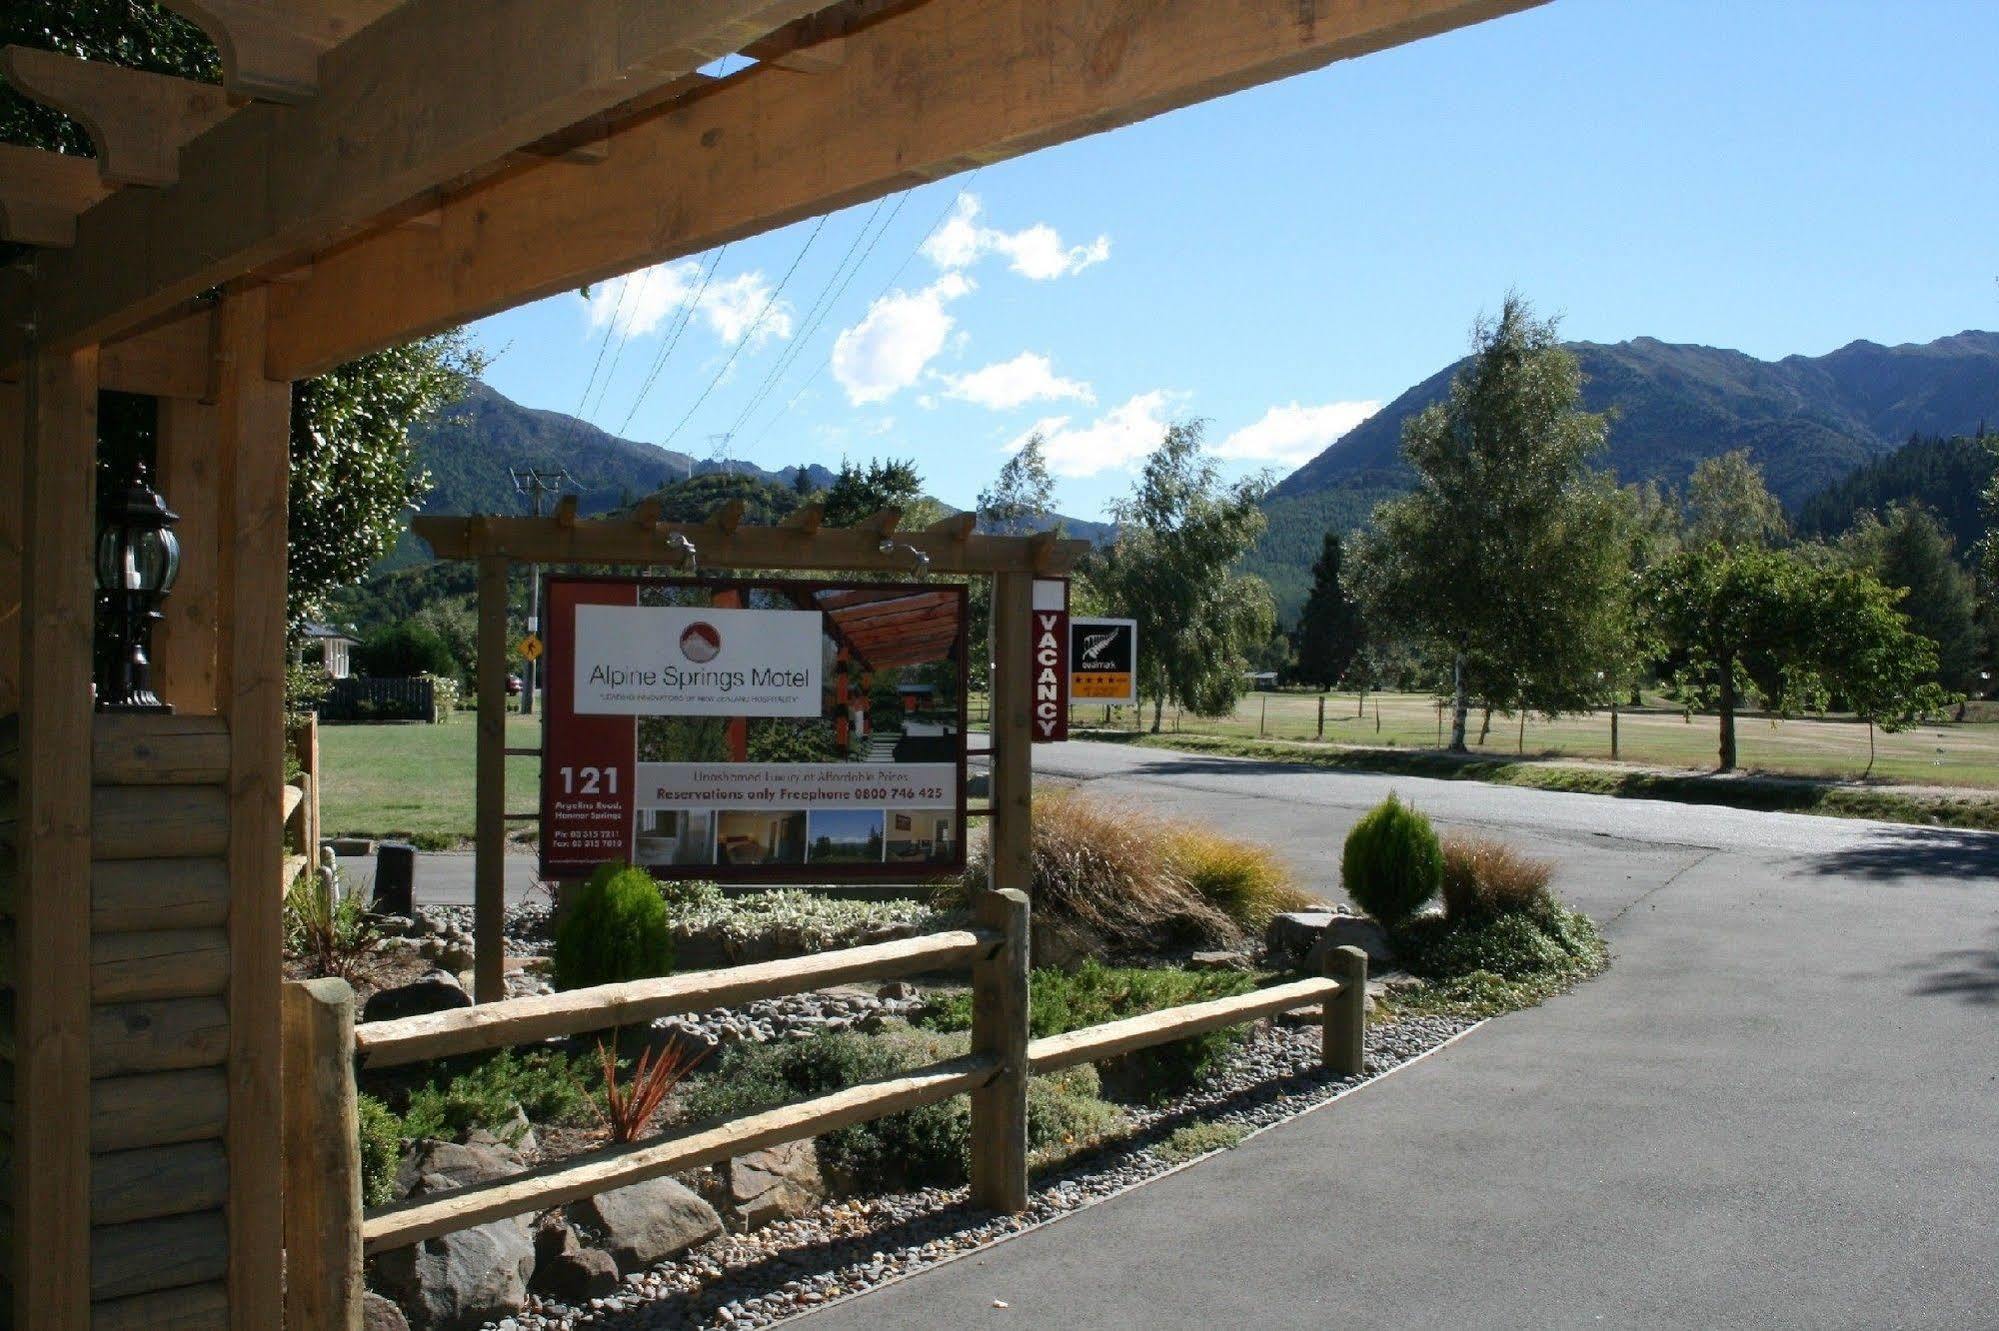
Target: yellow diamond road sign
(531, 647)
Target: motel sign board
(1049, 653)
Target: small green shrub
(682, 894)
(1063, 1001)
(1483, 965)
(1485, 876)
(616, 930)
(327, 934)
(1246, 882)
(547, 1086)
(1199, 1139)
(381, 1151)
(1392, 864)
(926, 1147)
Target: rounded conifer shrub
(1393, 863)
(616, 930)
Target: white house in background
(332, 646)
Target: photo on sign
(755, 730)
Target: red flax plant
(628, 1108)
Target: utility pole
(537, 485)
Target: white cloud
(1293, 435)
(1114, 441)
(1035, 252)
(895, 340)
(639, 303)
(1003, 385)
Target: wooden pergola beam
(431, 91)
(137, 121)
(845, 549)
(271, 48)
(921, 94)
(41, 194)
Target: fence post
(999, 1028)
(322, 1170)
(1343, 1046)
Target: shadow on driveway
(1927, 852)
(1968, 974)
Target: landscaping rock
(565, 1269)
(1218, 961)
(456, 1282)
(516, 1134)
(781, 1183)
(441, 1166)
(1362, 932)
(1290, 936)
(380, 1314)
(391, 926)
(435, 992)
(1060, 945)
(644, 1223)
(899, 990)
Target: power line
(748, 332)
(672, 338)
(618, 354)
(918, 249)
(823, 307)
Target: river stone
(1218, 961)
(456, 1282)
(644, 1223)
(435, 992)
(380, 1314)
(565, 1269)
(1358, 931)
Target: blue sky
(1778, 177)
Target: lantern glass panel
(155, 560)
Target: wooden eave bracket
(806, 520)
(882, 522)
(271, 48)
(728, 516)
(958, 527)
(138, 122)
(41, 194)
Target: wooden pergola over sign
(369, 171)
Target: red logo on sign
(700, 642)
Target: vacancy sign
(697, 661)
(1103, 661)
(1050, 650)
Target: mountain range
(1808, 421)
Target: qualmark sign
(690, 661)
(1050, 648)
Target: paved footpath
(1780, 1108)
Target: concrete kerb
(1147, 1181)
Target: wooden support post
(13, 443)
(1012, 734)
(322, 1159)
(254, 430)
(999, 1028)
(188, 478)
(489, 868)
(51, 1146)
(1343, 1048)
(305, 747)
(1322, 716)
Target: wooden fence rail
(328, 1231)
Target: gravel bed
(527, 926)
(741, 1281)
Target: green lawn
(1658, 736)
(414, 782)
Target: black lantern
(137, 558)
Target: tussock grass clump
(1105, 876)
(1392, 863)
(1485, 876)
(1198, 1139)
(1246, 882)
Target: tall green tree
(354, 476)
(1022, 497)
(859, 492)
(1798, 633)
(1330, 630)
(1728, 503)
(1909, 550)
(1507, 558)
(1173, 567)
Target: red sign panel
(1049, 654)
(587, 761)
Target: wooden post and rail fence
(328, 1232)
